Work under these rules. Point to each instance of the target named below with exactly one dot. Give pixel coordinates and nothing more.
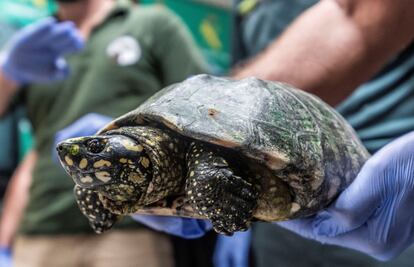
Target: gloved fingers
(38, 30)
(41, 75)
(60, 72)
(203, 224)
(220, 259)
(354, 205)
(391, 227)
(387, 174)
(361, 239)
(240, 259)
(59, 35)
(157, 222)
(222, 252)
(194, 228)
(374, 215)
(5, 257)
(385, 234)
(27, 37)
(242, 236)
(86, 125)
(182, 227)
(57, 31)
(302, 227)
(95, 122)
(232, 251)
(68, 45)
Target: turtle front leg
(226, 199)
(100, 218)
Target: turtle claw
(235, 201)
(225, 199)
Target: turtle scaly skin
(100, 218)
(215, 191)
(113, 172)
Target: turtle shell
(291, 135)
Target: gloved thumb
(61, 69)
(352, 208)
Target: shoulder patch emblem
(124, 50)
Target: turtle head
(114, 165)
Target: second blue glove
(233, 251)
(374, 214)
(5, 257)
(34, 55)
(182, 227)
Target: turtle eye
(95, 146)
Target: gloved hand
(35, 53)
(5, 257)
(232, 251)
(375, 214)
(86, 125)
(182, 227)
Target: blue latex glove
(375, 214)
(5, 257)
(86, 125)
(35, 53)
(232, 251)
(182, 227)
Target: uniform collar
(120, 8)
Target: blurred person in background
(130, 53)
(329, 50)
(15, 133)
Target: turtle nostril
(60, 148)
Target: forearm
(335, 46)
(7, 89)
(15, 199)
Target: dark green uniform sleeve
(174, 46)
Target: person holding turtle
(315, 55)
(226, 153)
(337, 45)
(130, 53)
(379, 110)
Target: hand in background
(232, 251)
(86, 125)
(182, 227)
(35, 53)
(375, 214)
(5, 257)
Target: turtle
(230, 151)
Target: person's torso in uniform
(383, 108)
(380, 111)
(120, 67)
